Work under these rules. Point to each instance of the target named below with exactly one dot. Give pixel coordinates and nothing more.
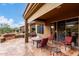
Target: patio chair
(33, 34)
(43, 42)
(50, 37)
(68, 41)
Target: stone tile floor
(17, 47)
(33, 51)
(14, 47)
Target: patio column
(26, 31)
(29, 28)
(78, 30)
(36, 28)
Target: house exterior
(22, 29)
(31, 9)
(58, 19)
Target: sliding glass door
(72, 28)
(61, 29)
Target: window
(33, 28)
(40, 29)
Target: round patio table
(37, 40)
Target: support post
(78, 31)
(26, 32)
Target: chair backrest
(33, 34)
(50, 37)
(44, 42)
(68, 39)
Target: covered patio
(51, 16)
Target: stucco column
(36, 28)
(78, 31)
(29, 30)
(26, 31)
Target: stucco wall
(46, 28)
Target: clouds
(18, 24)
(4, 20)
(12, 14)
(11, 22)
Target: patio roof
(31, 9)
(38, 9)
(62, 12)
(51, 12)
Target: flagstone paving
(17, 47)
(33, 51)
(14, 47)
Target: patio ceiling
(31, 9)
(64, 11)
(34, 11)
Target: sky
(12, 14)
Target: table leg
(33, 42)
(37, 44)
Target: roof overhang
(31, 9)
(38, 9)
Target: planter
(9, 36)
(2, 39)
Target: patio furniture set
(40, 42)
(56, 48)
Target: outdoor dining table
(37, 40)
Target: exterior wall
(22, 29)
(36, 24)
(43, 10)
(46, 28)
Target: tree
(5, 28)
(16, 29)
